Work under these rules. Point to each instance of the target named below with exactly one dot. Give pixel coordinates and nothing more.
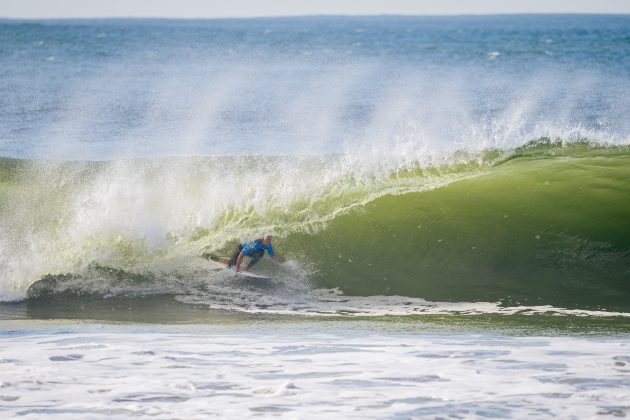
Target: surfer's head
(265, 240)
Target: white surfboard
(247, 274)
(221, 264)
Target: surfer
(255, 250)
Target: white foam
(333, 302)
(307, 370)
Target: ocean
(449, 199)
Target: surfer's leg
(255, 257)
(232, 262)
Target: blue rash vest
(250, 247)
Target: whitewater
(449, 197)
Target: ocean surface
(449, 197)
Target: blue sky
(252, 8)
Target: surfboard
(246, 274)
(222, 264)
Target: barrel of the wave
(549, 226)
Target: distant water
(119, 88)
(447, 195)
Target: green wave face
(547, 224)
(541, 228)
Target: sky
(41, 9)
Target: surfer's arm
(237, 266)
(272, 253)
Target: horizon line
(338, 15)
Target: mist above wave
(392, 88)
